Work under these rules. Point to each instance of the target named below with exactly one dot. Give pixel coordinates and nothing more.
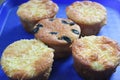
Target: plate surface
(11, 30)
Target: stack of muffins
(59, 38)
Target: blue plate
(11, 30)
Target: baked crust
(27, 60)
(57, 33)
(95, 57)
(91, 16)
(34, 10)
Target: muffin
(27, 60)
(34, 10)
(57, 33)
(91, 16)
(95, 57)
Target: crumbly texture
(27, 59)
(34, 10)
(97, 55)
(91, 16)
(37, 10)
(57, 33)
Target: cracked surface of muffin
(27, 60)
(57, 33)
(34, 10)
(91, 16)
(95, 57)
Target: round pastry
(57, 33)
(34, 10)
(27, 60)
(95, 57)
(91, 16)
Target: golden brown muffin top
(25, 59)
(37, 10)
(56, 31)
(98, 52)
(86, 12)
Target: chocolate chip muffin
(91, 16)
(34, 10)
(57, 33)
(27, 60)
(95, 57)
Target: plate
(12, 30)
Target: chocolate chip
(35, 30)
(64, 22)
(75, 31)
(51, 19)
(39, 25)
(65, 38)
(53, 32)
(71, 23)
